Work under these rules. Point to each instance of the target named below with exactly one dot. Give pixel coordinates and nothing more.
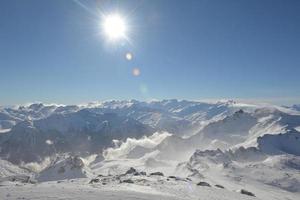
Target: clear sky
(53, 51)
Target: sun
(114, 27)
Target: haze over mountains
(226, 143)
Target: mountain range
(30, 133)
(229, 144)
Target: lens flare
(136, 72)
(129, 56)
(144, 90)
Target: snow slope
(8, 169)
(82, 190)
(72, 167)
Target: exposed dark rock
(202, 183)
(139, 174)
(131, 171)
(143, 173)
(75, 162)
(247, 193)
(240, 111)
(219, 186)
(127, 181)
(156, 174)
(94, 180)
(178, 178)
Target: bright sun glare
(114, 27)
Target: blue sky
(52, 51)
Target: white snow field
(166, 149)
(146, 186)
(82, 190)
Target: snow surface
(80, 189)
(268, 179)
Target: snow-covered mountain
(52, 128)
(296, 107)
(178, 117)
(221, 149)
(81, 131)
(250, 167)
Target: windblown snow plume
(49, 142)
(38, 166)
(121, 149)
